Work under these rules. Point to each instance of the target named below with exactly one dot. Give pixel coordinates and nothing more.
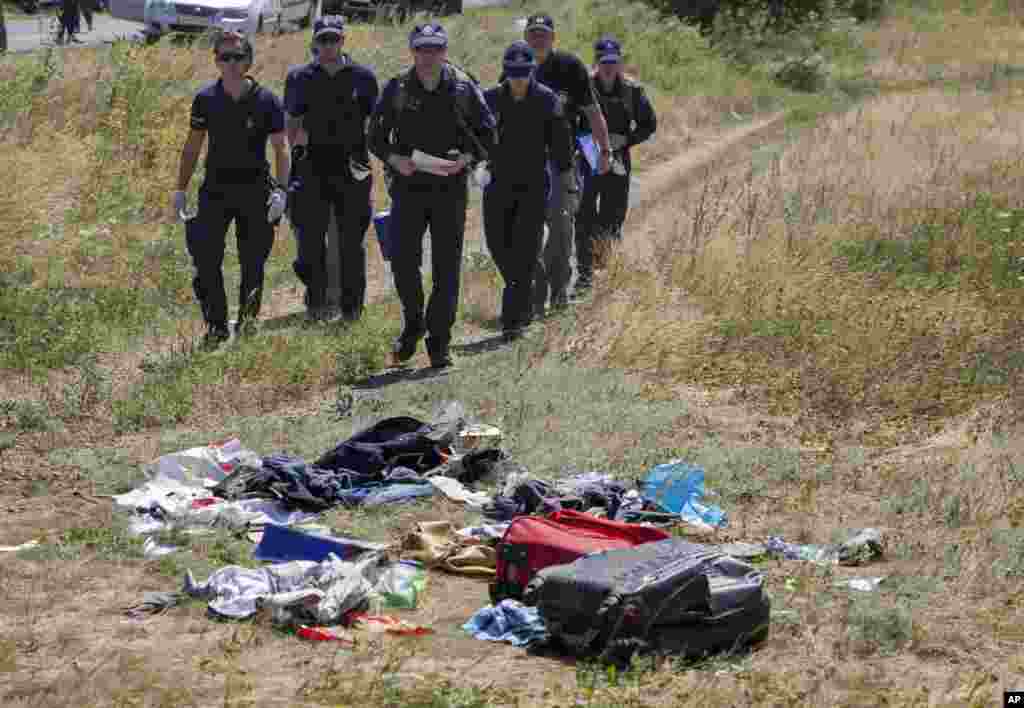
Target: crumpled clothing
(454, 489)
(484, 532)
(528, 497)
(477, 465)
(287, 588)
(390, 442)
(290, 480)
(387, 624)
(154, 603)
(164, 502)
(395, 493)
(508, 621)
(863, 547)
(198, 466)
(436, 545)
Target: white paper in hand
(432, 164)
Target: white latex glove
(275, 205)
(481, 176)
(180, 203)
(360, 170)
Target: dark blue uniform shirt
(334, 109)
(429, 121)
(568, 77)
(237, 132)
(636, 121)
(531, 131)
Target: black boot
(404, 347)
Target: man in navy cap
(532, 132)
(432, 109)
(238, 115)
(568, 77)
(329, 102)
(631, 120)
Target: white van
(248, 16)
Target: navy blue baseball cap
(329, 24)
(428, 35)
(540, 21)
(519, 61)
(608, 51)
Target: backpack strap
(627, 90)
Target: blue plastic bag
(678, 487)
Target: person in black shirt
(568, 77)
(329, 102)
(432, 109)
(631, 121)
(531, 133)
(238, 115)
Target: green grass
(877, 626)
(923, 260)
(110, 543)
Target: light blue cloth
(678, 488)
(508, 621)
(394, 493)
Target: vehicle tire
(453, 7)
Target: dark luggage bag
(534, 542)
(671, 596)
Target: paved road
(27, 34)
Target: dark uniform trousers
(350, 201)
(599, 221)
(514, 226)
(205, 234)
(440, 205)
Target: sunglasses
(328, 39)
(232, 56)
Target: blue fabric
(398, 493)
(508, 621)
(280, 544)
(678, 487)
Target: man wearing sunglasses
(441, 113)
(566, 75)
(329, 102)
(238, 116)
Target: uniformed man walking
(329, 102)
(568, 77)
(631, 120)
(431, 109)
(532, 133)
(238, 116)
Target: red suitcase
(532, 543)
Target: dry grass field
(820, 303)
